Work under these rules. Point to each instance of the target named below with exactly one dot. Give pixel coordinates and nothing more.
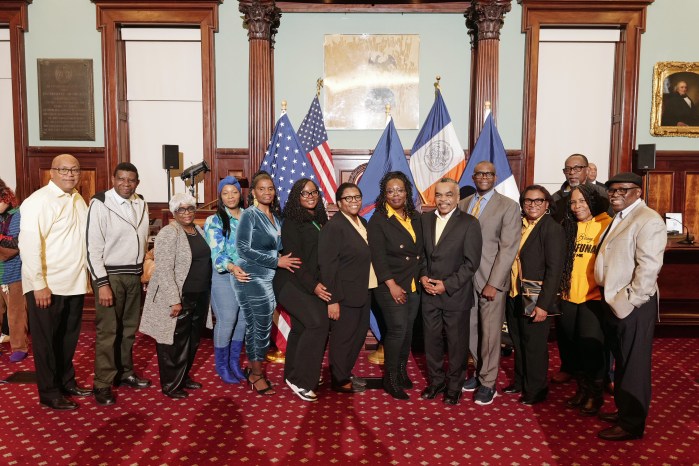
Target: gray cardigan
(173, 257)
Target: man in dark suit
(501, 228)
(592, 175)
(453, 253)
(628, 262)
(679, 109)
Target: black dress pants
(308, 336)
(456, 326)
(55, 332)
(399, 320)
(631, 343)
(347, 335)
(176, 360)
(530, 341)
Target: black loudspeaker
(645, 157)
(171, 157)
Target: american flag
(285, 159)
(315, 142)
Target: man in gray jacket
(117, 233)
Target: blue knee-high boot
(236, 347)
(221, 358)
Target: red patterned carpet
(231, 425)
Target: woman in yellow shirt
(584, 223)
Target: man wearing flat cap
(628, 262)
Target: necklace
(193, 233)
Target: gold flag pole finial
(486, 111)
(283, 106)
(388, 110)
(436, 85)
(319, 86)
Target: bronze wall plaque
(66, 100)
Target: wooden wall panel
(659, 195)
(691, 198)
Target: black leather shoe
(452, 398)
(77, 391)
(60, 404)
(512, 389)
(177, 394)
(532, 400)
(135, 381)
(104, 396)
(617, 433)
(347, 388)
(191, 384)
(612, 417)
(431, 392)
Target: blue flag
(388, 156)
(285, 159)
(489, 148)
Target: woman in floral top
(229, 331)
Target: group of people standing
(468, 265)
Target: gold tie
(477, 208)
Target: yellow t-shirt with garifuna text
(582, 280)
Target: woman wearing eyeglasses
(345, 269)
(177, 300)
(581, 307)
(395, 239)
(540, 258)
(258, 238)
(301, 293)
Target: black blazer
(300, 239)
(393, 252)
(454, 259)
(344, 259)
(542, 257)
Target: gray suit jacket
(629, 260)
(173, 257)
(501, 228)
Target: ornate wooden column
(484, 19)
(261, 20)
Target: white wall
(7, 134)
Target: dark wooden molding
(14, 15)
(372, 6)
(484, 20)
(111, 15)
(627, 15)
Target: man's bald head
(65, 172)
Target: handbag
(529, 290)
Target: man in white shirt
(54, 279)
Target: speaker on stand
(645, 161)
(171, 159)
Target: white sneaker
(306, 395)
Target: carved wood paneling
(659, 195)
(372, 6)
(630, 17)
(14, 15)
(92, 178)
(691, 198)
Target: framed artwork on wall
(675, 109)
(366, 72)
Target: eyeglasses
(621, 191)
(356, 198)
(535, 202)
(66, 171)
(391, 192)
(486, 175)
(307, 194)
(186, 210)
(575, 169)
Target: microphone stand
(688, 240)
